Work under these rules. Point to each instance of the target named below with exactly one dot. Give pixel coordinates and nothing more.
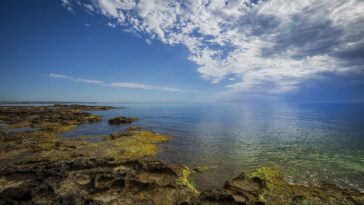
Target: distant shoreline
(45, 102)
(90, 102)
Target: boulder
(122, 120)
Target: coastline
(39, 166)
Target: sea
(310, 143)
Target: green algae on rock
(266, 185)
(39, 167)
(55, 119)
(45, 143)
(41, 142)
(131, 144)
(277, 191)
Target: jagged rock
(200, 169)
(266, 185)
(122, 120)
(95, 181)
(56, 118)
(44, 142)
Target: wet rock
(131, 144)
(267, 186)
(56, 118)
(18, 147)
(133, 128)
(216, 197)
(200, 169)
(115, 135)
(83, 107)
(122, 120)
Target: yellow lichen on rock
(131, 144)
(275, 190)
(184, 180)
(128, 145)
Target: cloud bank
(279, 43)
(117, 84)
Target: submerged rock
(267, 186)
(122, 120)
(110, 181)
(133, 128)
(200, 169)
(44, 142)
(130, 144)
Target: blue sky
(161, 50)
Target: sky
(182, 51)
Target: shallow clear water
(308, 142)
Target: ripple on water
(308, 142)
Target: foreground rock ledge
(267, 186)
(39, 167)
(95, 181)
(109, 181)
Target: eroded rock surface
(57, 118)
(45, 144)
(95, 181)
(39, 167)
(267, 186)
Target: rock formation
(122, 120)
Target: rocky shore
(37, 166)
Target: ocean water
(310, 143)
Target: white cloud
(118, 84)
(143, 86)
(280, 42)
(67, 5)
(55, 75)
(148, 41)
(65, 2)
(111, 25)
(81, 80)
(89, 7)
